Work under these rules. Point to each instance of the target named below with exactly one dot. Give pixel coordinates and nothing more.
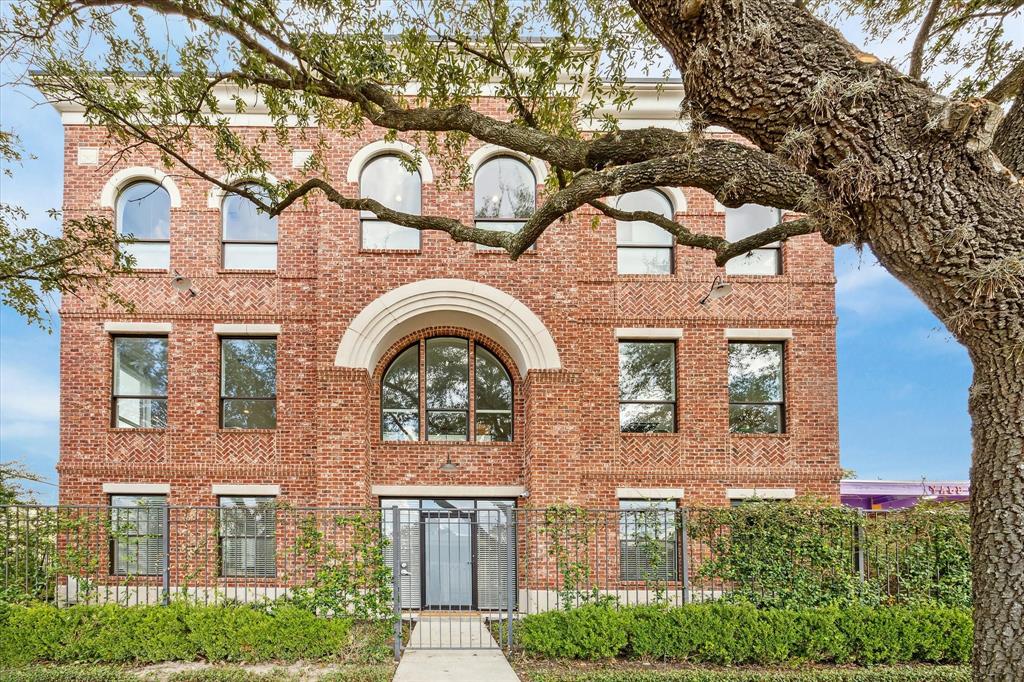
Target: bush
(904, 674)
(179, 632)
(734, 634)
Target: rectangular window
(248, 537)
(137, 534)
(756, 388)
(446, 366)
(648, 540)
(380, 235)
(647, 386)
(644, 248)
(140, 382)
(746, 221)
(248, 384)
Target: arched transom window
(506, 195)
(644, 248)
(386, 179)
(437, 387)
(144, 213)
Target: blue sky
(902, 379)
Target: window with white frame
(140, 382)
(647, 386)
(143, 213)
(248, 536)
(644, 248)
(648, 540)
(756, 387)
(746, 221)
(137, 534)
(505, 191)
(249, 234)
(387, 179)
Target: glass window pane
(748, 220)
(400, 388)
(500, 226)
(149, 255)
(641, 232)
(755, 418)
(494, 427)
(249, 368)
(140, 366)
(141, 413)
(447, 373)
(248, 529)
(755, 372)
(400, 425)
(250, 256)
(756, 262)
(239, 413)
(447, 426)
(378, 234)
(654, 261)
(493, 384)
(647, 371)
(136, 528)
(387, 180)
(244, 221)
(144, 211)
(505, 187)
(646, 417)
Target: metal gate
(453, 576)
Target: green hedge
(80, 673)
(733, 634)
(180, 632)
(902, 674)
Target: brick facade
(326, 449)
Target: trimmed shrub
(736, 634)
(179, 632)
(903, 674)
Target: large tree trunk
(910, 174)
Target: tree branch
(921, 41)
(1009, 87)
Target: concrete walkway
(485, 663)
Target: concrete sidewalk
(484, 662)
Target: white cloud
(865, 288)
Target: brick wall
(326, 448)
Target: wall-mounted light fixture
(449, 466)
(182, 284)
(719, 289)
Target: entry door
(448, 559)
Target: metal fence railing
(483, 561)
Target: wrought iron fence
(481, 562)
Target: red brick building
(273, 375)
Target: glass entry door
(448, 554)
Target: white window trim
(489, 151)
(382, 148)
(245, 490)
(448, 491)
(738, 334)
(122, 178)
(247, 329)
(215, 199)
(649, 493)
(137, 488)
(137, 327)
(760, 493)
(675, 197)
(650, 333)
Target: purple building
(886, 495)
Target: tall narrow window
(248, 537)
(643, 247)
(248, 383)
(400, 397)
(648, 540)
(140, 382)
(249, 233)
(756, 388)
(447, 383)
(137, 534)
(748, 220)
(493, 397)
(647, 386)
(506, 195)
(443, 406)
(144, 213)
(386, 179)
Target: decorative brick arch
(448, 303)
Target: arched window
(643, 247)
(249, 234)
(451, 365)
(747, 220)
(144, 213)
(386, 179)
(506, 195)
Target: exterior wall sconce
(182, 284)
(449, 466)
(719, 289)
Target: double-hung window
(648, 540)
(137, 534)
(647, 386)
(386, 179)
(756, 387)
(144, 214)
(505, 195)
(644, 248)
(248, 385)
(140, 382)
(249, 233)
(248, 537)
(746, 221)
